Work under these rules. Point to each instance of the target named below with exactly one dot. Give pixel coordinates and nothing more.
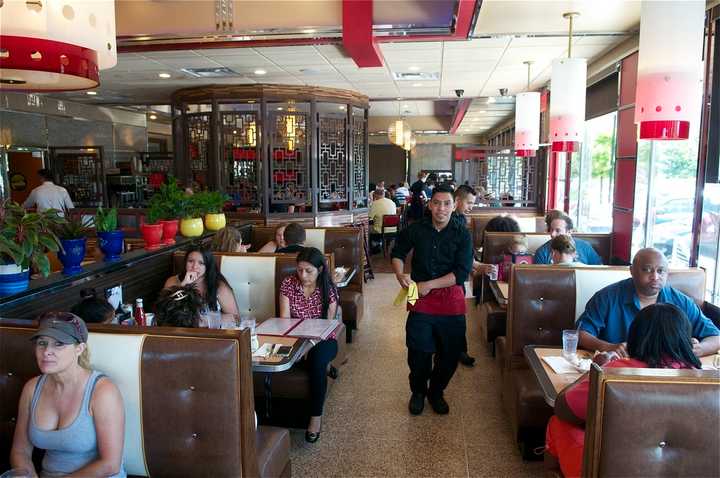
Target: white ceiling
(480, 66)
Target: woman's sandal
(312, 437)
(333, 372)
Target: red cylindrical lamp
(527, 124)
(669, 68)
(567, 104)
(55, 46)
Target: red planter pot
(152, 234)
(170, 229)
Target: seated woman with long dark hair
(659, 337)
(311, 294)
(200, 270)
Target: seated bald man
(604, 324)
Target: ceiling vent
(219, 72)
(419, 76)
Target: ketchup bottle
(139, 313)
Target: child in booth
(516, 252)
(179, 306)
(564, 252)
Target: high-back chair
(389, 230)
(652, 422)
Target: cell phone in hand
(283, 350)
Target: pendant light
(527, 120)
(398, 130)
(669, 68)
(55, 46)
(567, 98)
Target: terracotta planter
(192, 227)
(170, 229)
(215, 222)
(152, 234)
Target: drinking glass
(493, 273)
(570, 343)
(247, 322)
(213, 319)
(230, 323)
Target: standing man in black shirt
(464, 202)
(442, 260)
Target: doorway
(22, 165)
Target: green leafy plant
(210, 202)
(106, 219)
(154, 213)
(168, 200)
(74, 227)
(25, 237)
(191, 207)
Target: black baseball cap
(64, 327)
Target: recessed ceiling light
(279, 108)
(482, 112)
(342, 107)
(91, 93)
(234, 131)
(165, 75)
(417, 84)
(414, 68)
(153, 117)
(491, 99)
(260, 71)
(309, 30)
(406, 106)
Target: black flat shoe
(312, 437)
(439, 405)
(416, 403)
(467, 360)
(333, 372)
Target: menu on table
(318, 329)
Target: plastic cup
(493, 274)
(249, 323)
(214, 319)
(570, 343)
(149, 319)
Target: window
(592, 176)
(664, 196)
(709, 237)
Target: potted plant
(168, 199)
(211, 204)
(191, 224)
(73, 239)
(110, 238)
(151, 229)
(24, 239)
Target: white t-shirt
(49, 196)
(381, 207)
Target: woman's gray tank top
(70, 448)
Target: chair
(388, 230)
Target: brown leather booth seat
(528, 222)
(187, 394)
(678, 433)
(544, 300)
(345, 243)
(495, 243)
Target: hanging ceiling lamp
(55, 46)
(567, 98)
(669, 68)
(409, 141)
(397, 131)
(527, 120)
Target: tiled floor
(368, 432)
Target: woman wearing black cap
(73, 412)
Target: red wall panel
(628, 79)
(624, 194)
(622, 234)
(626, 134)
